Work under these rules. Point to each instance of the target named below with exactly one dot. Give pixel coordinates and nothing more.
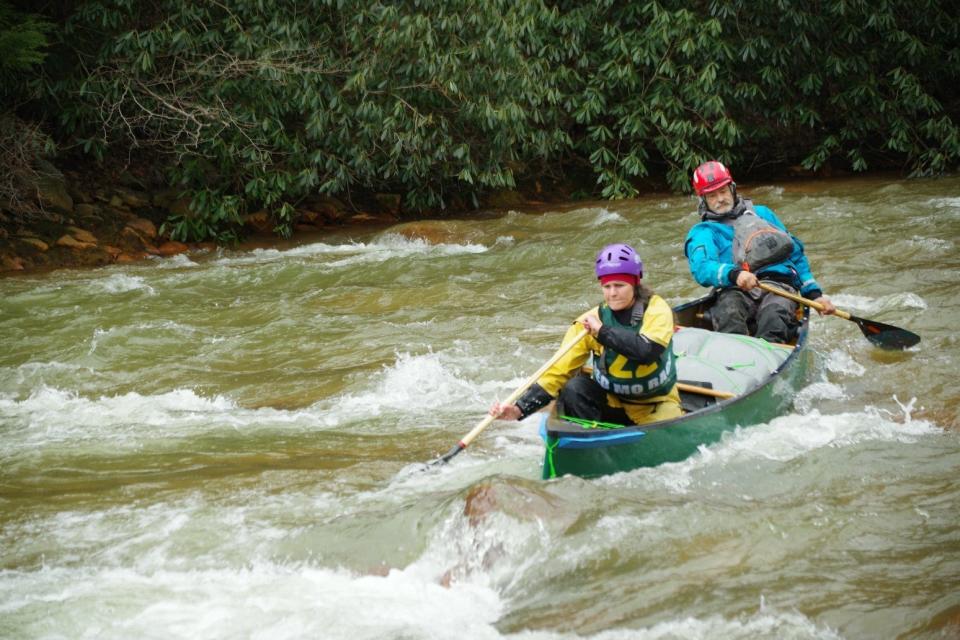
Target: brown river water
(229, 445)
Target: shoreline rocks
(97, 217)
(84, 226)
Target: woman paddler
(631, 338)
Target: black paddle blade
(445, 458)
(886, 336)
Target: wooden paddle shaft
(810, 303)
(513, 397)
(704, 391)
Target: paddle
(467, 439)
(704, 391)
(883, 335)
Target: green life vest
(629, 379)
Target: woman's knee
(582, 397)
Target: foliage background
(250, 105)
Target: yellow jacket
(657, 326)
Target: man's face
(721, 200)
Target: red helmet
(710, 176)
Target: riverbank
(116, 216)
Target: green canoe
(738, 381)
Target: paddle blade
(886, 336)
(445, 458)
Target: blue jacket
(709, 251)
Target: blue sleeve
(709, 264)
(798, 259)
(808, 284)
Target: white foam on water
(861, 305)
(826, 207)
(122, 283)
(810, 396)
(841, 362)
(147, 328)
(161, 572)
(414, 384)
(766, 623)
(307, 250)
(944, 203)
(185, 532)
(263, 600)
(164, 325)
(490, 552)
(107, 280)
(98, 333)
(788, 437)
(404, 246)
(423, 385)
(518, 453)
(176, 262)
(906, 300)
(605, 216)
(932, 244)
(52, 417)
(515, 217)
(510, 448)
(849, 301)
(520, 439)
(32, 374)
(499, 552)
(387, 246)
(782, 439)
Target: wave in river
(383, 248)
(302, 602)
(437, 386)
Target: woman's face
(617, 294)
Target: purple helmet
(618, 258)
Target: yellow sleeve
(569, 365)
(658, 321)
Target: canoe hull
(573, 449)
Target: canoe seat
(727, 361)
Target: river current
(230, 445)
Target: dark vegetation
(245, 106)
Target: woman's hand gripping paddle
(883, 335)
(467, 439)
